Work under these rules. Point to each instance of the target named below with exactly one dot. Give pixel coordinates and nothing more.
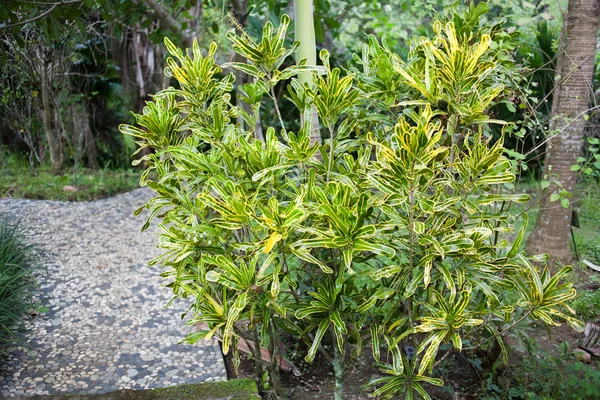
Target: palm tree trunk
(552, 229)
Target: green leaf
(419, 227)
(312, 352)
(375, 341)
(338, 322)
(429, 356)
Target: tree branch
(42, 15)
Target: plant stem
(330, 162)
(277, 109)
(258, 363)
(502, 332)
(338, 368)
(411, 256)
(274, 366)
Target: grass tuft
(15, 278)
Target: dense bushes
(391, 232)
(15, 281)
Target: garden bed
(465, 375)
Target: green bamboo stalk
(305, 34)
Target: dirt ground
(316, 381)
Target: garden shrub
(392, 230)
(15, 282)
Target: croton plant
(389, 234)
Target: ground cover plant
(543, 375)
(15, 280)
(390, 233)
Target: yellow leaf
(34, 93)
(275, 237)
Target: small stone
(171, 373)
(131, 372)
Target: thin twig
(42, 15)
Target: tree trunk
(48, 116)
(552, 229)
(193, 31)
(85, 143)
(92, 149)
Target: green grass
(587, 236)
(44, 184)
(15, 281)
(235, 389)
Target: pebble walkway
(106, 327)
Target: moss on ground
(240, 389)
(236, 389)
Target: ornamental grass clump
(390, 233)
(15, 279)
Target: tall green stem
(330, 161)
(305, 34)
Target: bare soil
(458, 372)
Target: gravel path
(106, 328)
